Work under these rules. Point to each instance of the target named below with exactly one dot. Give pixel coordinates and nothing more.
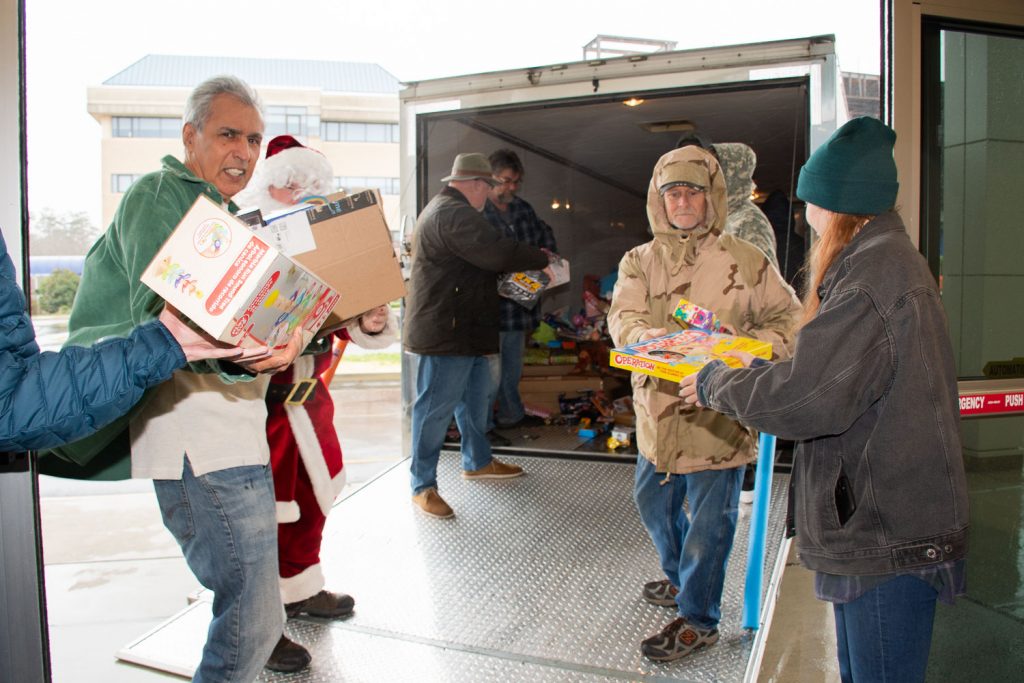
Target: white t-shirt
(216, 425)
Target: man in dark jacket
(451, 322)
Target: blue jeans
(506, 380)
(693, 551)
(225, 523)
(446, 385)
(885, 634)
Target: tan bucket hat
(472, 166)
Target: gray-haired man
(451, 323)
(201, 436)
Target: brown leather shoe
(325, 604)
(431, 502)
(288, 656)
(494, 470)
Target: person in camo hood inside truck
(692, 455)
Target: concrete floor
(113, 572)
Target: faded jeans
(447, 385)
(693, 550)
(225, 523)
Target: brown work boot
(325, 604)
(288, 656)
(431, 502)
(494, 470)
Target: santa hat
(288, 162)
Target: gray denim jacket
(870, 397)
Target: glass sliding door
(973, 236)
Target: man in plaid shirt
(517, 219)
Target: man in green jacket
(200, 436)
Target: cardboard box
(679, 354)
(234, 285)
(346, 242)
(543, 391)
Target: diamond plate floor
(535, 579)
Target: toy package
(695, 316)
(235, 286)
(525, 287)
(683, 353)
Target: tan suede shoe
(494, 470)
(431, 502)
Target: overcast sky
(72, 44)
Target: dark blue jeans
(884, 635)
(693, 550)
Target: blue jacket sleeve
(47, 398)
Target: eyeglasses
(509, 181)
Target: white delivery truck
(590, 132)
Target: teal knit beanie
(853, 171)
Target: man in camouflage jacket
(746, 220)
(692, 454)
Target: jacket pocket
(845, 503)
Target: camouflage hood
(738, 162)
(694, 165)
(746, 221)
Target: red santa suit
(305, 453)
(305, 456)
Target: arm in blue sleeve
(48, 398)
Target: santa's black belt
(293, 394)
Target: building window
(145, 127)
(358, 183)
(120, 182)
(352, 131)
(287, 121)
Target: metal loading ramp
(535, 579)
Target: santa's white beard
(268, 204)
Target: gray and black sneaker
(661, 593)
(677, 640)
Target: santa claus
(305, 453)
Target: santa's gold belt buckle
(301, 392)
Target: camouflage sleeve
(776, 312)
(750, 224)
(630, 313)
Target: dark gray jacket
(870, 396)
(452, 305)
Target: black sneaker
(497, 440)
(661, 593)
(325, 604)
(288, 656)
(677, 640)
(526, 421)
(747, 491)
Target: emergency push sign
(991, 403)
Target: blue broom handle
(758, 531)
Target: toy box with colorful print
(679, 354)
(526, 287)
(233, 285)
(696, 316)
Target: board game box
(683, 353)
